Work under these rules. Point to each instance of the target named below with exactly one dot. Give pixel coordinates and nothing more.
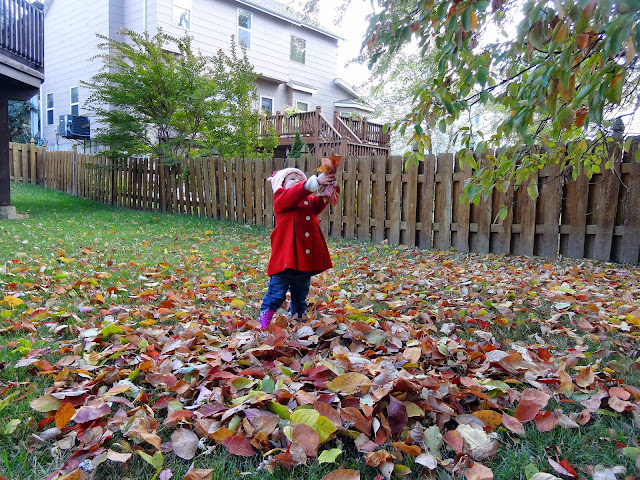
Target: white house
(296, 61)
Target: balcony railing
(22, 32)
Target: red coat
(297, 241)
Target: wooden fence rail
(383, 199)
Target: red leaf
(545, 421)
(239, 445)
(526, 411)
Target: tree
(297, 146)
(20, 121)
(172, 106)
(568, 71)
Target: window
(75, 101)
(244, 27)
(49, 108)
(298, 47)
(302, 106)
(266, 104)
(182, 14)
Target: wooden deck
(344, 136)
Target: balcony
(21, 48)
(21, 73)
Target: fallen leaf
(513, 424)
(342, 474)
(184, 443)
(307, 438)
(198, 474)
(349, 383)
(478, 472)
(239, 445)
(64, 415)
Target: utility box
(74, 126)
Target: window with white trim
(49, 108)
(244, 27)
(182, 14)
(266, 104)
(298, 49)
(302, 106)
(74, 101)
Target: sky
(354, 26)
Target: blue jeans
(293, 280)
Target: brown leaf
(118, 457)
(513, 424)
(198, 474)
(536, 396)
(619, 405)
(184, 443)
(545, 421)
(478, 472)
(307, 438)
(412, 354)
(342, 474)
(349, 383)
(379, 457)
(64, 415)
(485, 452)
(353, 415)
(454, 440)
(585, 377)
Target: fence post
(74, 186)
(316, 133)
(32, 160)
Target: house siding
(68, 55)
(69, 50)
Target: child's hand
(326, 178)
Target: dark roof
(283, 11)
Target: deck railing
(363, 137)
(22, 32)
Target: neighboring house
(296, 61)
(21, 72)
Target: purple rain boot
(265, 318)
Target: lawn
(129, 349)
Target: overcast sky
(354, 26)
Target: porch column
(5, 185)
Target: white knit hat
(277, 178)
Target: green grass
(77, 259)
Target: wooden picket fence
(383, 199)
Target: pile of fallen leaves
(400, 356)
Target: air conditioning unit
(74, 126)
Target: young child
(298, 247)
